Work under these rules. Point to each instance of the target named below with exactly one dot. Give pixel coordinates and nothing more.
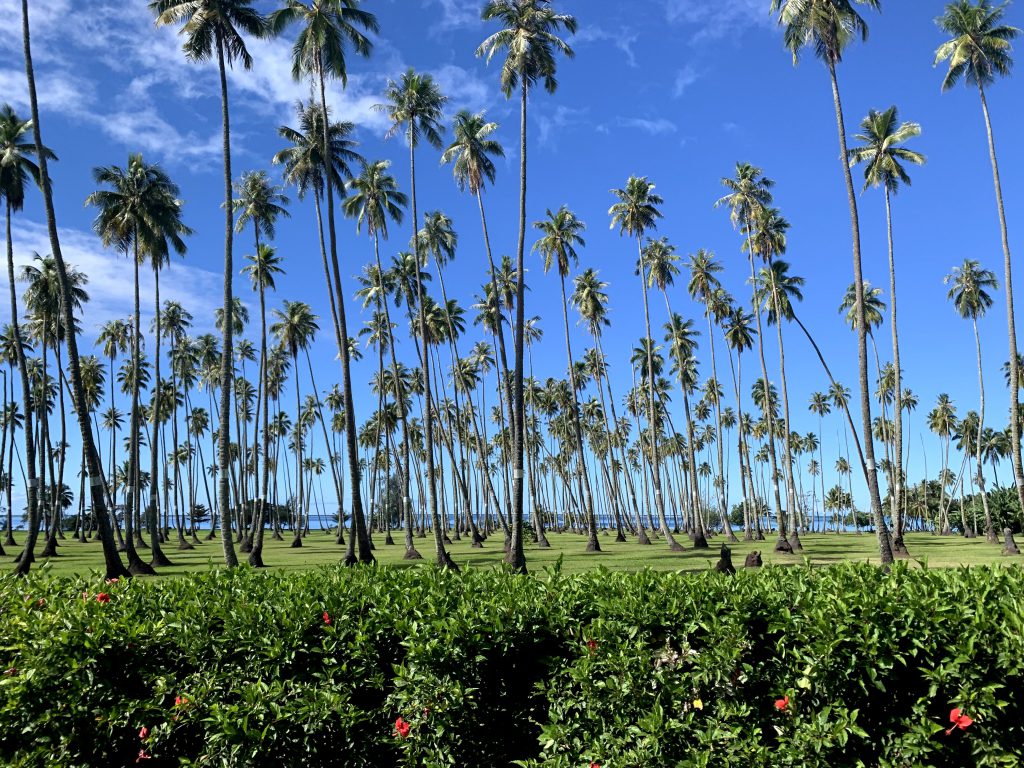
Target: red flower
(782, 704)
(143, 732)
(959, 720)
(102, 597)
(112, 581)
(595, 765)
(327, 618)
(11, 672)
(402, 728)
(143, 755)
(180, 701)
(41, 602)
(592, 645)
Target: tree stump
(1009, 545)
(753, 560)
(724, 564)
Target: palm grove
(229, 435)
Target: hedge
(844, 666)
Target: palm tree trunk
(652, 419)
(990, 533)
(588, 498)
(791, 502)
(159, 559)
(898, 545)
(1015, 435)
(114, 567)
(782, 544)
(443, 559)
(358, 534)
(515, 556)
(722, 496)
(226, 366)
(882, 530)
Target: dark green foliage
(489, 668)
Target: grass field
(319, 549)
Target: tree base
(593, 545)
(296, 542)
(256, 558)
(620, 538)
(185, 545)
(699, 542)
(783, 545)
(642, 537)
(675, 546)
(160, 560)
(411, 553)
(794, 542)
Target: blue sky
(678, 90)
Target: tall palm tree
(415, 105)
(529, 38)
(970, 284)
(295, 328)
(560, 235)
(139, 213)
(821, 406)
(113, 565)
(828, 27)
(978, 53)
(883, 157)
(115, 338)
(749, 195)
(471, 154)
(705, 287)
(328, 28)
(17, 169)
(217, 28)
(739, 336)
(637, 213)
(260, 203)
(263, 265)
(373, 200)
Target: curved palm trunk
(652, 421)
(114, 567)
(791, 501)
(882, 530)
(27, 554)
(358, 534)
(159, 559)
(588, 497)
(1015, 432)
(226, 366)
(256, 553)
(898, 545)
(782, 544)
(990, 533)
(443, 559)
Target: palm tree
(218, 28)
(821, 406)
(978, 52)
(263, 265)
(328, 29)
(140, 214)
(749, 196)
(637, 213)
(557, 244)
(969, 290)
(705, 287)
(414, 105)
(943, 422)
(373, 200)
(295, 327)
(828, 27)
(739, 336)
(777, 290)
(115, 338)
(16, 169)
(883, 158)
(529, 38)
(590, 298)
(113, 565)
(471, 154)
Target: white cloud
(656, 127)
(456, 13)
(622, 39)
(550, 124)
(715, 19)
(685, 77)
(110, 287)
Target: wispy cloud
(453, 14)
(655, 127)
(621, 39)
(551, 124)
(713, 20)
(111, 296)
(685, 77)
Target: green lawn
(319, 549)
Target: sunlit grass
(319, 549)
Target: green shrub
(484, 668)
